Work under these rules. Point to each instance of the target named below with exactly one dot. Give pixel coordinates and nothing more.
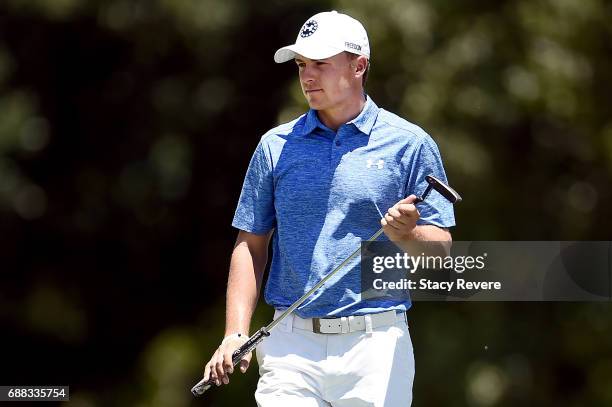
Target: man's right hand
(220, 365)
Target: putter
(433, 183)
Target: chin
(316, 104)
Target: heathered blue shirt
(323, 192)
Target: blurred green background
(126, 127)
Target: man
(314, 186)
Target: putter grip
(237, 356)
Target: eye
(319, 63)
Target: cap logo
(309, 28)
(353, 46)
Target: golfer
(316, 187)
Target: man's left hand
(400, 220)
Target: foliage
(127, 126)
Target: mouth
(310, 91)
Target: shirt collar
(312, 122)
(364, 121)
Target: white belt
(348, 324)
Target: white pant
(299, 368)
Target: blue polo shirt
(323, 192)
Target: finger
(408, 210)
(397, 215)
(220, 372)
(408, 200)
(225, 379)
(245, 362)
(206, 372)
(211, 366)
(227, 362)
(391, 222)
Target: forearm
(244, 283)
(429, 233)
(427, 239)
(247, 266)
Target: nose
(307, 74)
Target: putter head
(446, 191)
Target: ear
(360, 64)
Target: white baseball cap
(325, 35)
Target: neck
(337, 116)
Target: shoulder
(282, 132)
(392, 124)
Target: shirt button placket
(336, 148)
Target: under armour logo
(379, 164)
(309, 28)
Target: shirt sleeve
(435, 210)
(255, 211)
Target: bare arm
(247, 266)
